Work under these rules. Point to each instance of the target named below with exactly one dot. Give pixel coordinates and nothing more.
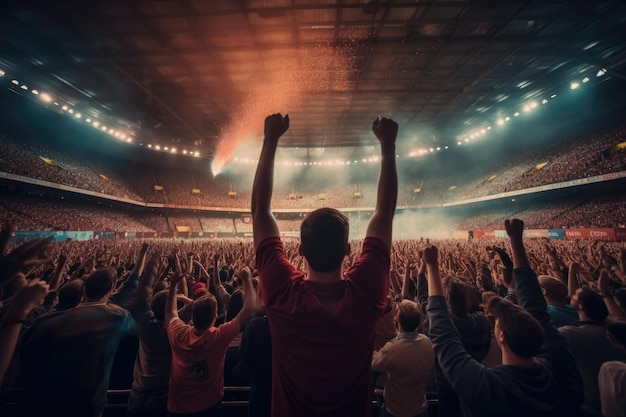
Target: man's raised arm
(380, 225)
(263, 222)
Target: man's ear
(543, 291)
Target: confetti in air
(287, 85)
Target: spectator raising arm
(380, 225)
(263, 222)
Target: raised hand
(385, 130)
(430, 255)
(29, 254)
(514, 228)
(276, 125)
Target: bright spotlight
(466, 140)
(45, 97)
(446, 147)
(544, 101)
(574, 86)
(586, 80)
(35, 92)
(601, 72)
(2, 73)
(24, 87)
(459, 143)
(70, 111)
(64, 107)
(553, 96)
(483, 131)
(174, 150)
(500, 122)
(526, 108)
(196, 153)
(185, 151)
(129, 140)
(88, 120)
(533, 104)
(158, 148)
(104, 128)
(96, 123)
(149, 145)
(78, 115)
(516, 114)
(16, 82)
(507, 118)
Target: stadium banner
(104, 235)
(620, 234)
(535, 233)
(558, 234)
(484, 234)
(500, 234)
(57, 235)
(572, 234)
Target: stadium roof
(202, 73)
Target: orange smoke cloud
(285, 89)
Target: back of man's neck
(325, 277)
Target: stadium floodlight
(438, 148)
(88, 120)
(483, 131)
(104, 128)
(516, 114)
(166, 148)
(45, 97)
(526, 108)
(149, 145)
(24, 87)
(35, 92)
(70, 111)
(196, 153)
(586, 80)
(553, 96)
(174, 150)
(123, 136)
(158, 147)
(574, 85)
(95, 123)
(129, 140)
(544, 101)
(507, 118)
(466, 140)
(64, 107)
(533, 104)
(445, 147)
(16, 82)
(2, 73)
(488, 127)
(459, 143)
(185, 153)
(78, 115)
(601, 72)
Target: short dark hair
(100, 282)
(158, 304)
(203, 311)
(324, 239)
(593, 305)
(409, 315)
(523, 333)
(70, 295)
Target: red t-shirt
(197, 378)
(322, 334)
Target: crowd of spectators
(597, 267)
(587, 154)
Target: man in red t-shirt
(197, 379)
(322, 323)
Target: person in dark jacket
(538, 375)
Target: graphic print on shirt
(199, 370)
